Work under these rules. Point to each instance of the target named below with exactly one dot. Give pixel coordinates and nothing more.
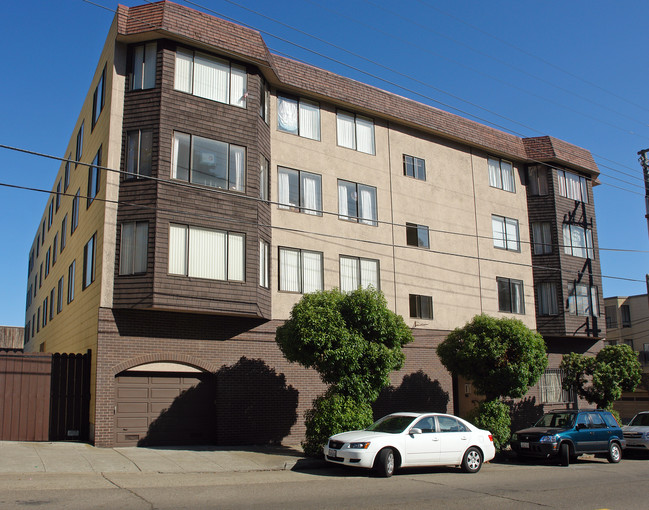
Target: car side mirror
(414, 430)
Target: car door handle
(435, 438)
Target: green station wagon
(568, 434)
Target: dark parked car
(568, 434)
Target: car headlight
(549, 439)
(514, 436)
(646, 435)
(359, 446)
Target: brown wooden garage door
(164, 409)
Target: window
(448, 424)
(64, 231)
(547, 296)
(542, 237)
(611, 316)
(510, 295)
(264, 264)
(66, 178)
(99, 98)
(94, 176)
(40, 278)
(625, 310)
(52, 303)
(572, 186)
(355, 132)
(38, 319)
(264, 100)
(204, 253)
(414, 167)
(47, 262)
(421, 307)
(58, 195)
(357, 202)
(501, 175)
(358, 273)
(299, 117)
(71, 281)
(45, 303)
(300, 270)
(144, 66)
(50, 215)
(505, 233)
(263, 178)
(551, 387)
(55, 248)
(417, 235)
(134, 248)
(43, 233)
(580, 300)
(577, 241)
(538, 180)
(89, 252)
(38, 244)
(75, 211)
(139, 145)
(59, 295)
(79, 143)
(208, 162)
(300, 191)
(210, 77)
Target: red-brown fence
(44, 396)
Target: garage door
(163, 409)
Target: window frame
(136, 154)
(417, 308)
(89, 262)
(358, 187)
(548, 301)
(537, 179)
(71, 279)
(346, 116)
(300, 127)
(136, 255)
(413, 162)
(99, 99)
(568, 192)
(301, 195)
(497, 180)
(506, 223)
(542, 230)
(415, 239)
(300, 270)
(264, 264)
(359, 272)
(509, 305)
(76, 202)
(573, 249)
(147, 73)
(79, 150)
(94, 178)
(578, 294)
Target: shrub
(493, 415)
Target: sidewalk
(62, 457)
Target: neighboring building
(12, 338)
(247, 179)
(627, 322)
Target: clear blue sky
(576, 70)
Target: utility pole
(645, 172)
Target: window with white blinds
(299, 117)
(356, 273)
(300, 270)
(355, 132)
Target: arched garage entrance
(164, 404)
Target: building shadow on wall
(417, 393)
(524, 413)
(247, 403)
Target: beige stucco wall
(455, 202)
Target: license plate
(333, 453)
(525, 444)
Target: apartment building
(209, 184)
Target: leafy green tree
(353, 340)
(502, 357)
(613, 370)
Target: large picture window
(134, 248)
(299, 117)
(355, 132)
(578, 241)
(300, 191)
(204, 253)
(210, 77)
(208, 162)
(358, 273)
(510, 295)
(505, 233)
(357, 202)
(300, 270)
(501, 175)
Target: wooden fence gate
(44, 396)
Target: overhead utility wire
(522, 135)
(371, 75)
(174, 182)
(239, 221)
(537, 57)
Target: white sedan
(413, 439)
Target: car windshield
(391, 424)
(559, 420)
(640, 420)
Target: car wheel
(564, 454)
(614, 453)
(385, 462)
(472, 461)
